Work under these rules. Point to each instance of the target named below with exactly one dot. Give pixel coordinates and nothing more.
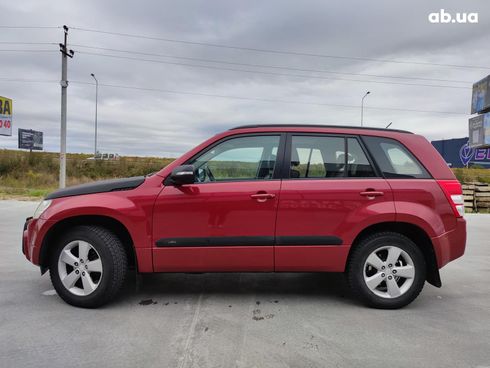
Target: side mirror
(183, 175)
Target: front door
(225, 221)
(332, 191)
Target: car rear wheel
(88, 266)
(387, 270)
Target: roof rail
(315, 126)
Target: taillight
(454, 193)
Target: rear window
(394, 160)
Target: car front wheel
(387, 270)
(88, 266)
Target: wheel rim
(389, 272)
(80, 268)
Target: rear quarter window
(394, 159)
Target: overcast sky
(156, 123)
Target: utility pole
(96, 97)
(65, 54)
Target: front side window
(241, 158)
(328, 157)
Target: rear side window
(358, 165)
(394, 160)
(326, 157)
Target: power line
(281, 52)
(266, 99)
(266, 66)
(268, 73)
(25, 50)
(26, 43)
(30, 27)
(231, 97)
(16, 80)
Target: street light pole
(362, 106)
(96, 98)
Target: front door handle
(371, 194)
(262, 197)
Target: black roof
(316, 126)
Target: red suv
(380, 205)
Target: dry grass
(33, 175)
(473, 174)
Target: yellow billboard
(5, 116)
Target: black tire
(357, 261)
(114, 265)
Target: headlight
(41, 208)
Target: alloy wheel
(80, 268)
(389, 272)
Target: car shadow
(330, 286)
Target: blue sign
(476, 156)
(458, 153)
(466, 154)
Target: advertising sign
(5, 116)
(30, 139)
(475, 156)
(480, 98)
(457, 153)
(479, 131)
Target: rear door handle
(262, 197)
(371, 193)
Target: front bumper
(32, 238)
(24, 236)
(450, 245)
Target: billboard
(30, 139)
(480, 98)
(479, 131)
(457, 153)
(5, 116)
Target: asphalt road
(242, 320)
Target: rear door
(330, 192)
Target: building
(457, 153)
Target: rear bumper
(450, 245)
